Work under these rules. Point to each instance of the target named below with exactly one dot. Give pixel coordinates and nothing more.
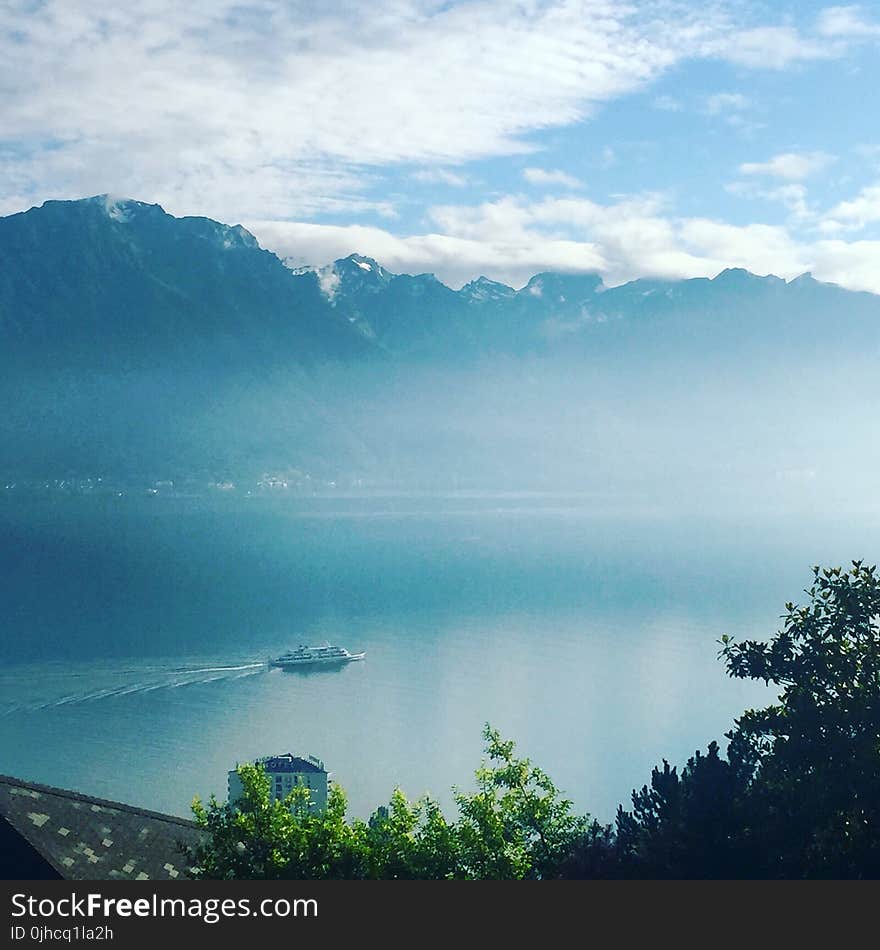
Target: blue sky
(656, 138)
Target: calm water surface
(135, 633)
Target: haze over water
(135, 634)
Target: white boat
(326, 655)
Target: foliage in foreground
(516, 825)
(797, 795)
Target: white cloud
(440, 176)
(328, 281)
(726, 102)
(760, 248)
(792, 196)
(279, 107)
(846, 22)
(455, 260)
(512, 238)
(792, 166)
(542, 176)
(855, 265)
(286, 108)
(773, 47)
(860, 211)
(733, 108)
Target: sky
(492, 137)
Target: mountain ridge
(135, 342)
(123, 277)
(87, 280)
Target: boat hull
(317, 661)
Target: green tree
(594, 855)
(411, 841)
(691, 825)
(798, 794)
(814, 755)
(262, 839)
(516, 825)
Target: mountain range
(135, 339)
(84, 280)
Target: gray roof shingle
(87, 839)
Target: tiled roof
(89, 839)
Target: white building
(285, 773)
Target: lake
(135, 633)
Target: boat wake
(34, 691)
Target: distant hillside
(137, 344)
(101, 279)
(553, 312)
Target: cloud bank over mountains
(513, 238)
(464, 138)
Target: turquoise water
(135, 634)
